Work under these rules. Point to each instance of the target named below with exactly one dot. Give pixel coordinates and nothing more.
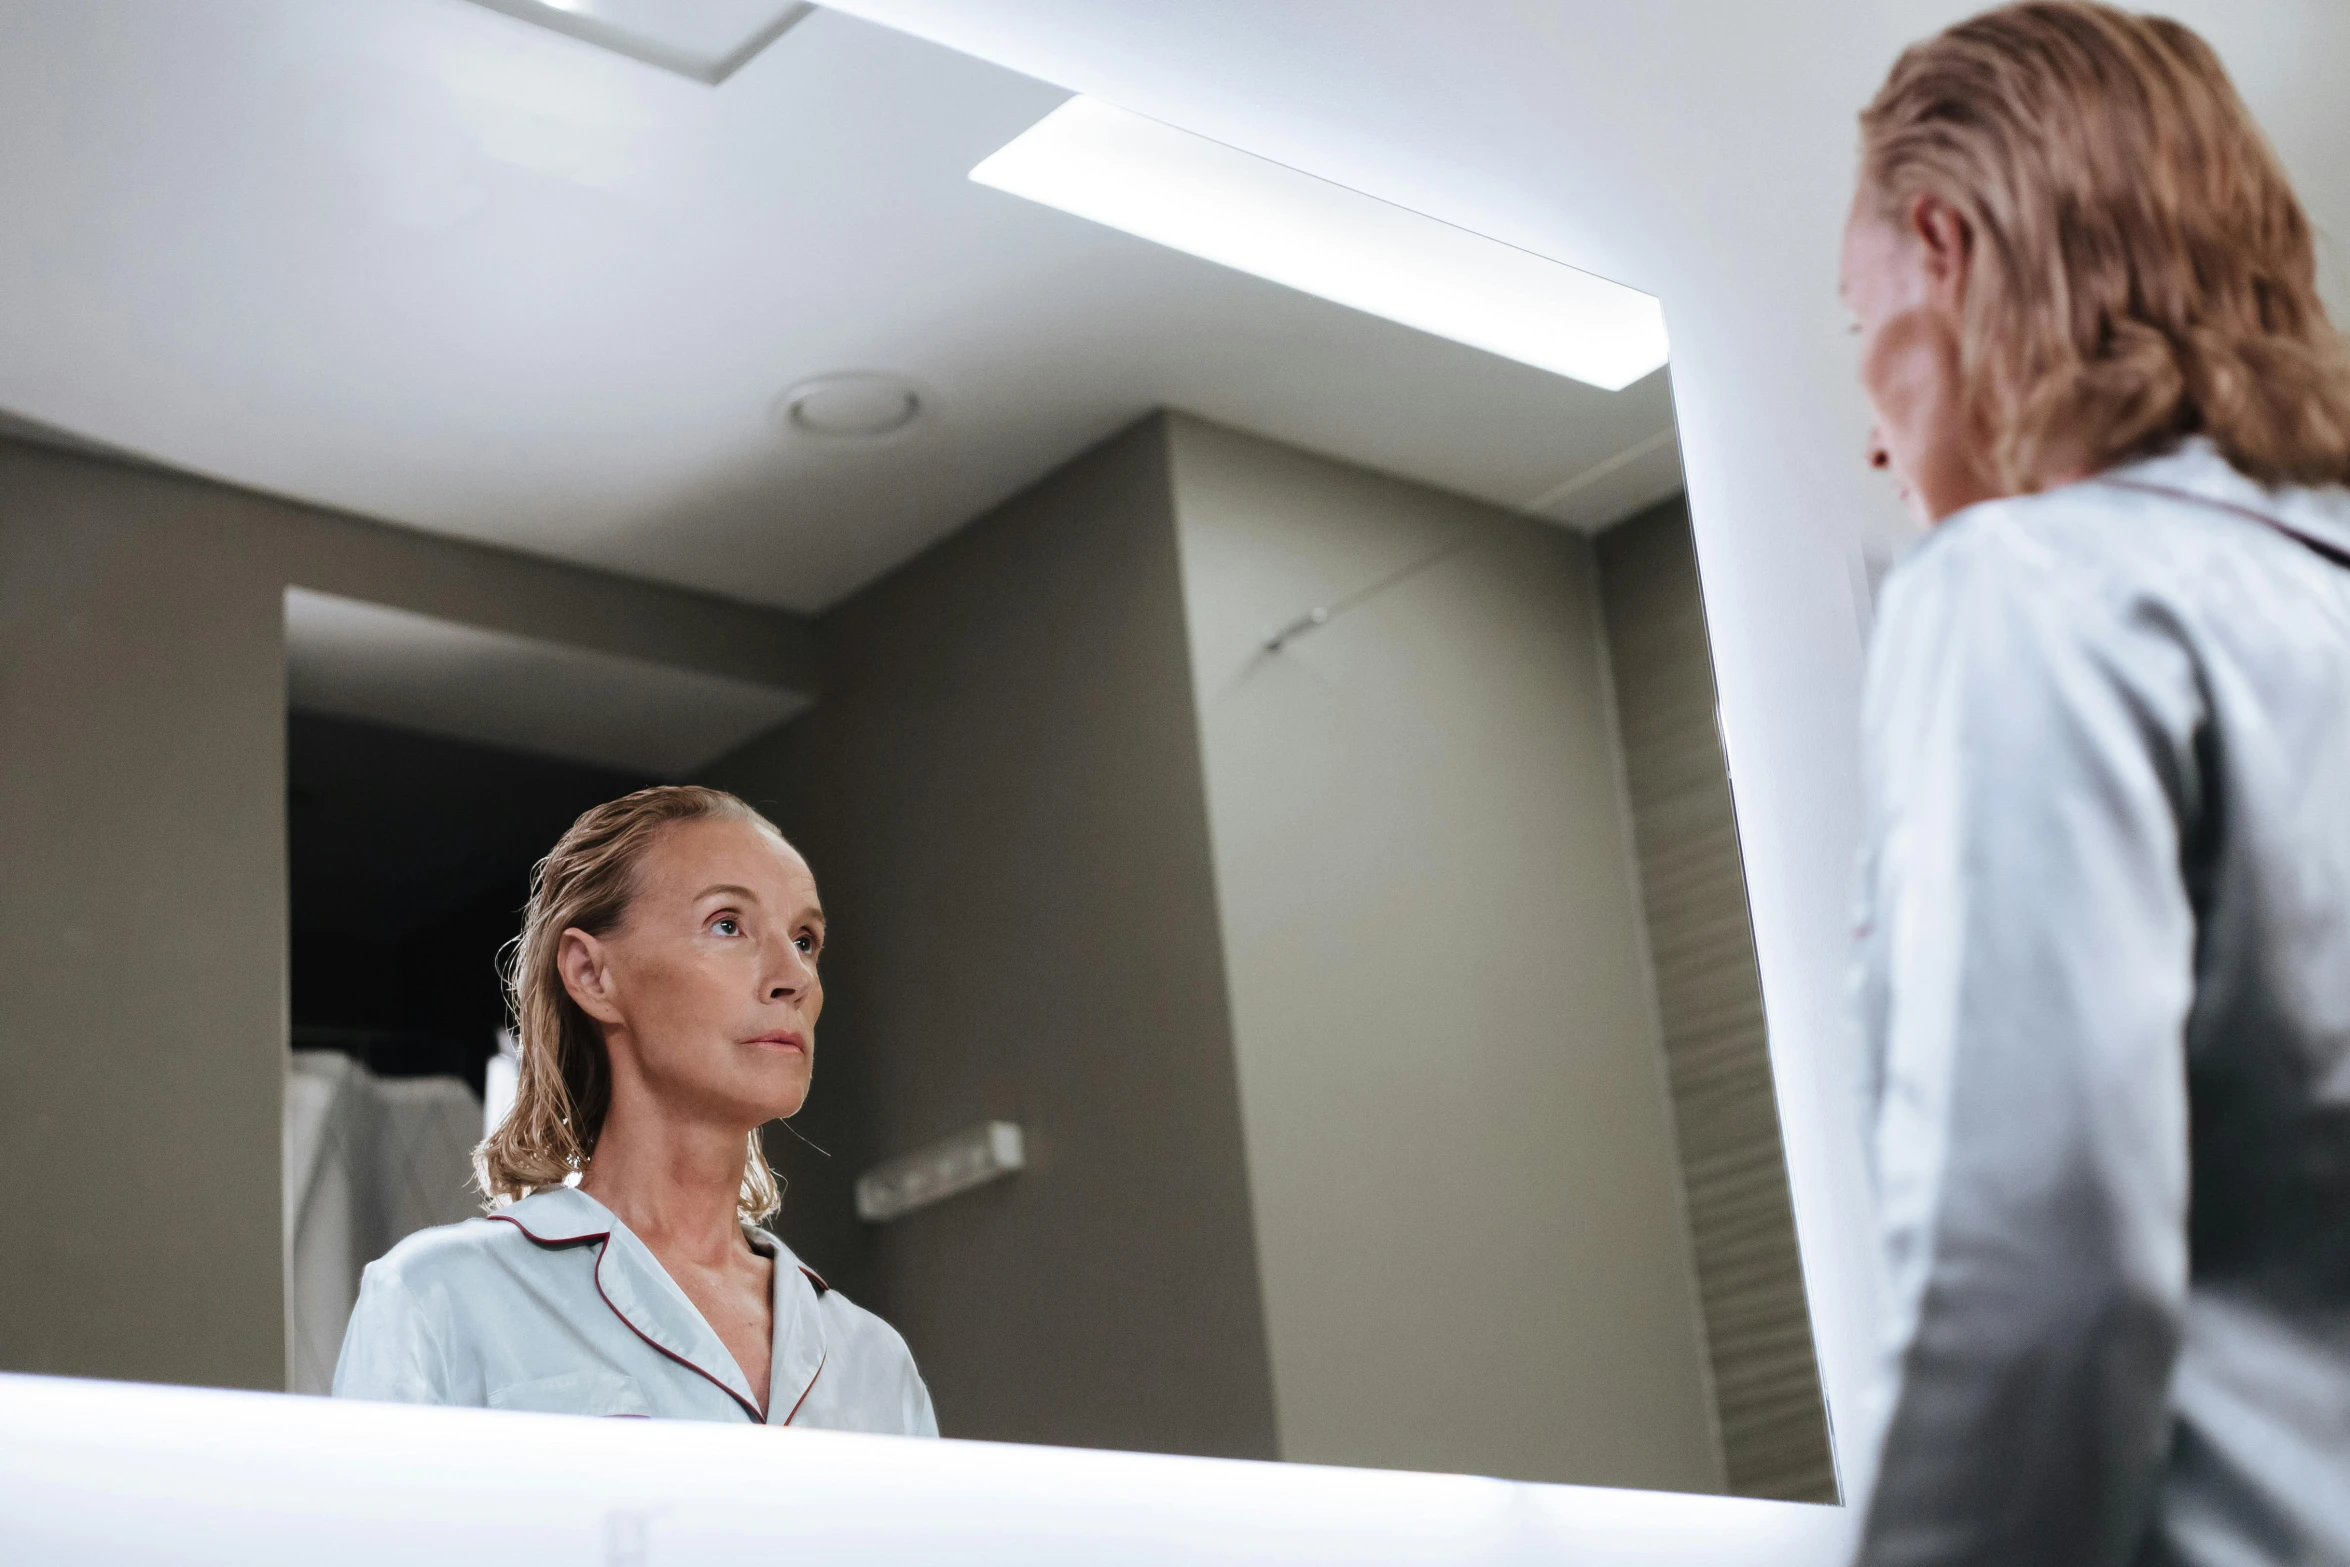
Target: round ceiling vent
(856, 403)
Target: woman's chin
(752, 1099)
(780, 1101)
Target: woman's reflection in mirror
(665, 990)
(2104, 949)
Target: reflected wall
(1459, 1152)
(1337, 986)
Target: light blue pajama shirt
(2104, 971)
(552, 1304)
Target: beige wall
(1000, 794)
(143, 927)
(1459, 1149)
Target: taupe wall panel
(142, 931)
(1459, 1147)
(1002, 802)
(1709, 996)
(143, 890)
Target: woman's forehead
(695, 855)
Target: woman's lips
(782, 1039)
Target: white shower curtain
(368, 1160)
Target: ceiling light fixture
(708, 40)
(1246, 212)
(856, 403)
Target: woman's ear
(582, 960)
(1946, 243)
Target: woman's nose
(789, 974)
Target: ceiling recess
(708, 40)
(862, 403)
(393, 666)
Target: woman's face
(1903, 283)
(708, 987)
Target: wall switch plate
(899, 1186)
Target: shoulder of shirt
(2065, 526)
(556, 1217)
(841, 1314)
(2084, 543)
(432, 1255)
(2147, 528)
(504, 1239)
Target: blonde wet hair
(564, 1081)
(2141, 269)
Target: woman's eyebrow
(744, 893)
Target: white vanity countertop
(102, 1472)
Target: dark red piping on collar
(603, 1240)
(580, 1239)
(810, 1388)
(2320, 547)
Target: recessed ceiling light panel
(1246, 212)
(854, 404)
(708, 40)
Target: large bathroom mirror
(1244, 694)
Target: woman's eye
(727, 925)
(805, 942)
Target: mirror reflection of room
(1289, 988)
(408, 854)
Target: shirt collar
(642, 1294)
(799, 1348)
(2197, 467)
(553, 1215)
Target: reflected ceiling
(421, 261)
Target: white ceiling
(428, 263)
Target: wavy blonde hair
(2142, 271)
(564, 1085)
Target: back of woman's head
(2140, 269)
(563, 1081)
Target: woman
(2104, 951)
(666, 990)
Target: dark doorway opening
(409, 860)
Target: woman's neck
(675, 1183)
